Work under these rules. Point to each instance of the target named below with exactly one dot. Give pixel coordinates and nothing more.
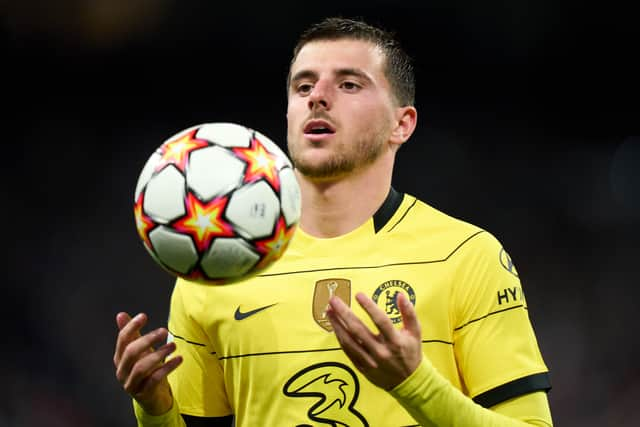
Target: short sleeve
(198, 383)
(495, 345)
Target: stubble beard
(344, 160)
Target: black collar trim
(386, 211)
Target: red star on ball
(260, 163)
(144, 224)
(177, 151)
(204, 221)
(274, 246)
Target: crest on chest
(386, 297)
(324, 290)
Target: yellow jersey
(264, 350)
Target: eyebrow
(341, 72)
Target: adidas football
(216, 203)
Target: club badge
(386, 296)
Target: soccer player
(383, 311)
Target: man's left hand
(386, 358)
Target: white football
(217, 203)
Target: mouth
(318, 128)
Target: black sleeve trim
(192, 421)
(519, 387)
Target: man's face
(340, 108)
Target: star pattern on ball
(273, 247)
(144, 223)
(203, 220)
(260, 163)
(177, 151)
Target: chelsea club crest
(386, 297)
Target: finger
(122, 319)
(379, 318)
(409, 316)
(145, 366)
(129, 331)
(136, 350)
(353, 324)
(352, 348)
(160, 374)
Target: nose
(320, 96)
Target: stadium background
(528, 127)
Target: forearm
(433, 401)
(172, 418)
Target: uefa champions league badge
(386, 297)
(507, 262)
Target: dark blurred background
(528, 127)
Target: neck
(335, 207)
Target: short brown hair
(398, 65)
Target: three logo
(335, 388)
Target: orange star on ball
(260, 163)
(177, 151)
(203, 220)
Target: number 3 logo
(335, 389)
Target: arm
(393, 360)
(433, 401)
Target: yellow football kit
(264, 350)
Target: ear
(405, 123)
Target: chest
(288, 312)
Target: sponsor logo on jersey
(386, 296)
(324, 290)
(240, 315)
(507, 263)
(331, 391)
(511, 295)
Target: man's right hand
(141, 367)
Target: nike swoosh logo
(239, 315)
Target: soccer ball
(217, 203)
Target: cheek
(293, 112)
(292, 117)
(372, 118)
(371, 108)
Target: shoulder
(416, 213)
(418, 223)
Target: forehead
(339, 54)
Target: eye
(350, 86)
(304, 88)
